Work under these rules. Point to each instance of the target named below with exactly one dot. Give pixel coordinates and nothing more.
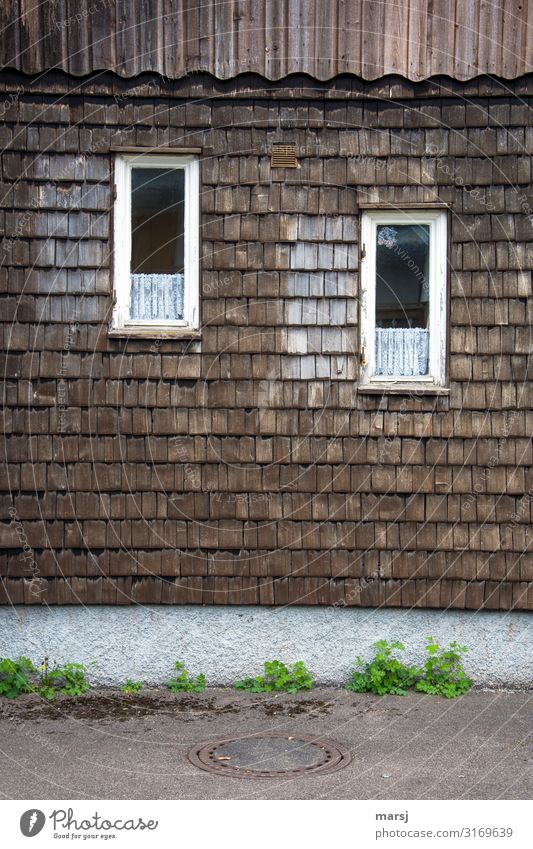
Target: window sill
(154, 333)
(402, 389)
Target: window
(156, 244)
(403, 297)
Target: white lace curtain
(156, 297)
(402, 351)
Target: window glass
(402, 299)
(157, 243)
(157, 203)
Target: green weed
(443, 673)
(67, 680)
(384, 674)
(184, 683)
(131, 687)
(278, 677)
(15, 677)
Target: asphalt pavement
(106, 745)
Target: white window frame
(438, 259)
(121, 320)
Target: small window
(403, 297)
(156, 243)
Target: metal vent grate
(284, 156)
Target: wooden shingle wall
(246, 468)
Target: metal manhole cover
(270, 755)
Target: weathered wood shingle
(246, 468)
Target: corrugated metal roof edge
(265, 80)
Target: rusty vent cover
(270, 755)
(284, 156)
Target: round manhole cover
(270, 755)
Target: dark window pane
(402, 275)
(402, 300)
(157, 220)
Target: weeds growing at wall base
(278, 677)
(131, 687)
(21, 676)
(185, 683)
(442, 674)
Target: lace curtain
(402, 351)
(156, 296)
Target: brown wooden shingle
(245, 468)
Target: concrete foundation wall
(228, 642)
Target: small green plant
(443, 673)
(185, 683)
(131, 687)
(67, 680)
(384, 674)
(15, 677)
(21, 676)
(278, 677)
